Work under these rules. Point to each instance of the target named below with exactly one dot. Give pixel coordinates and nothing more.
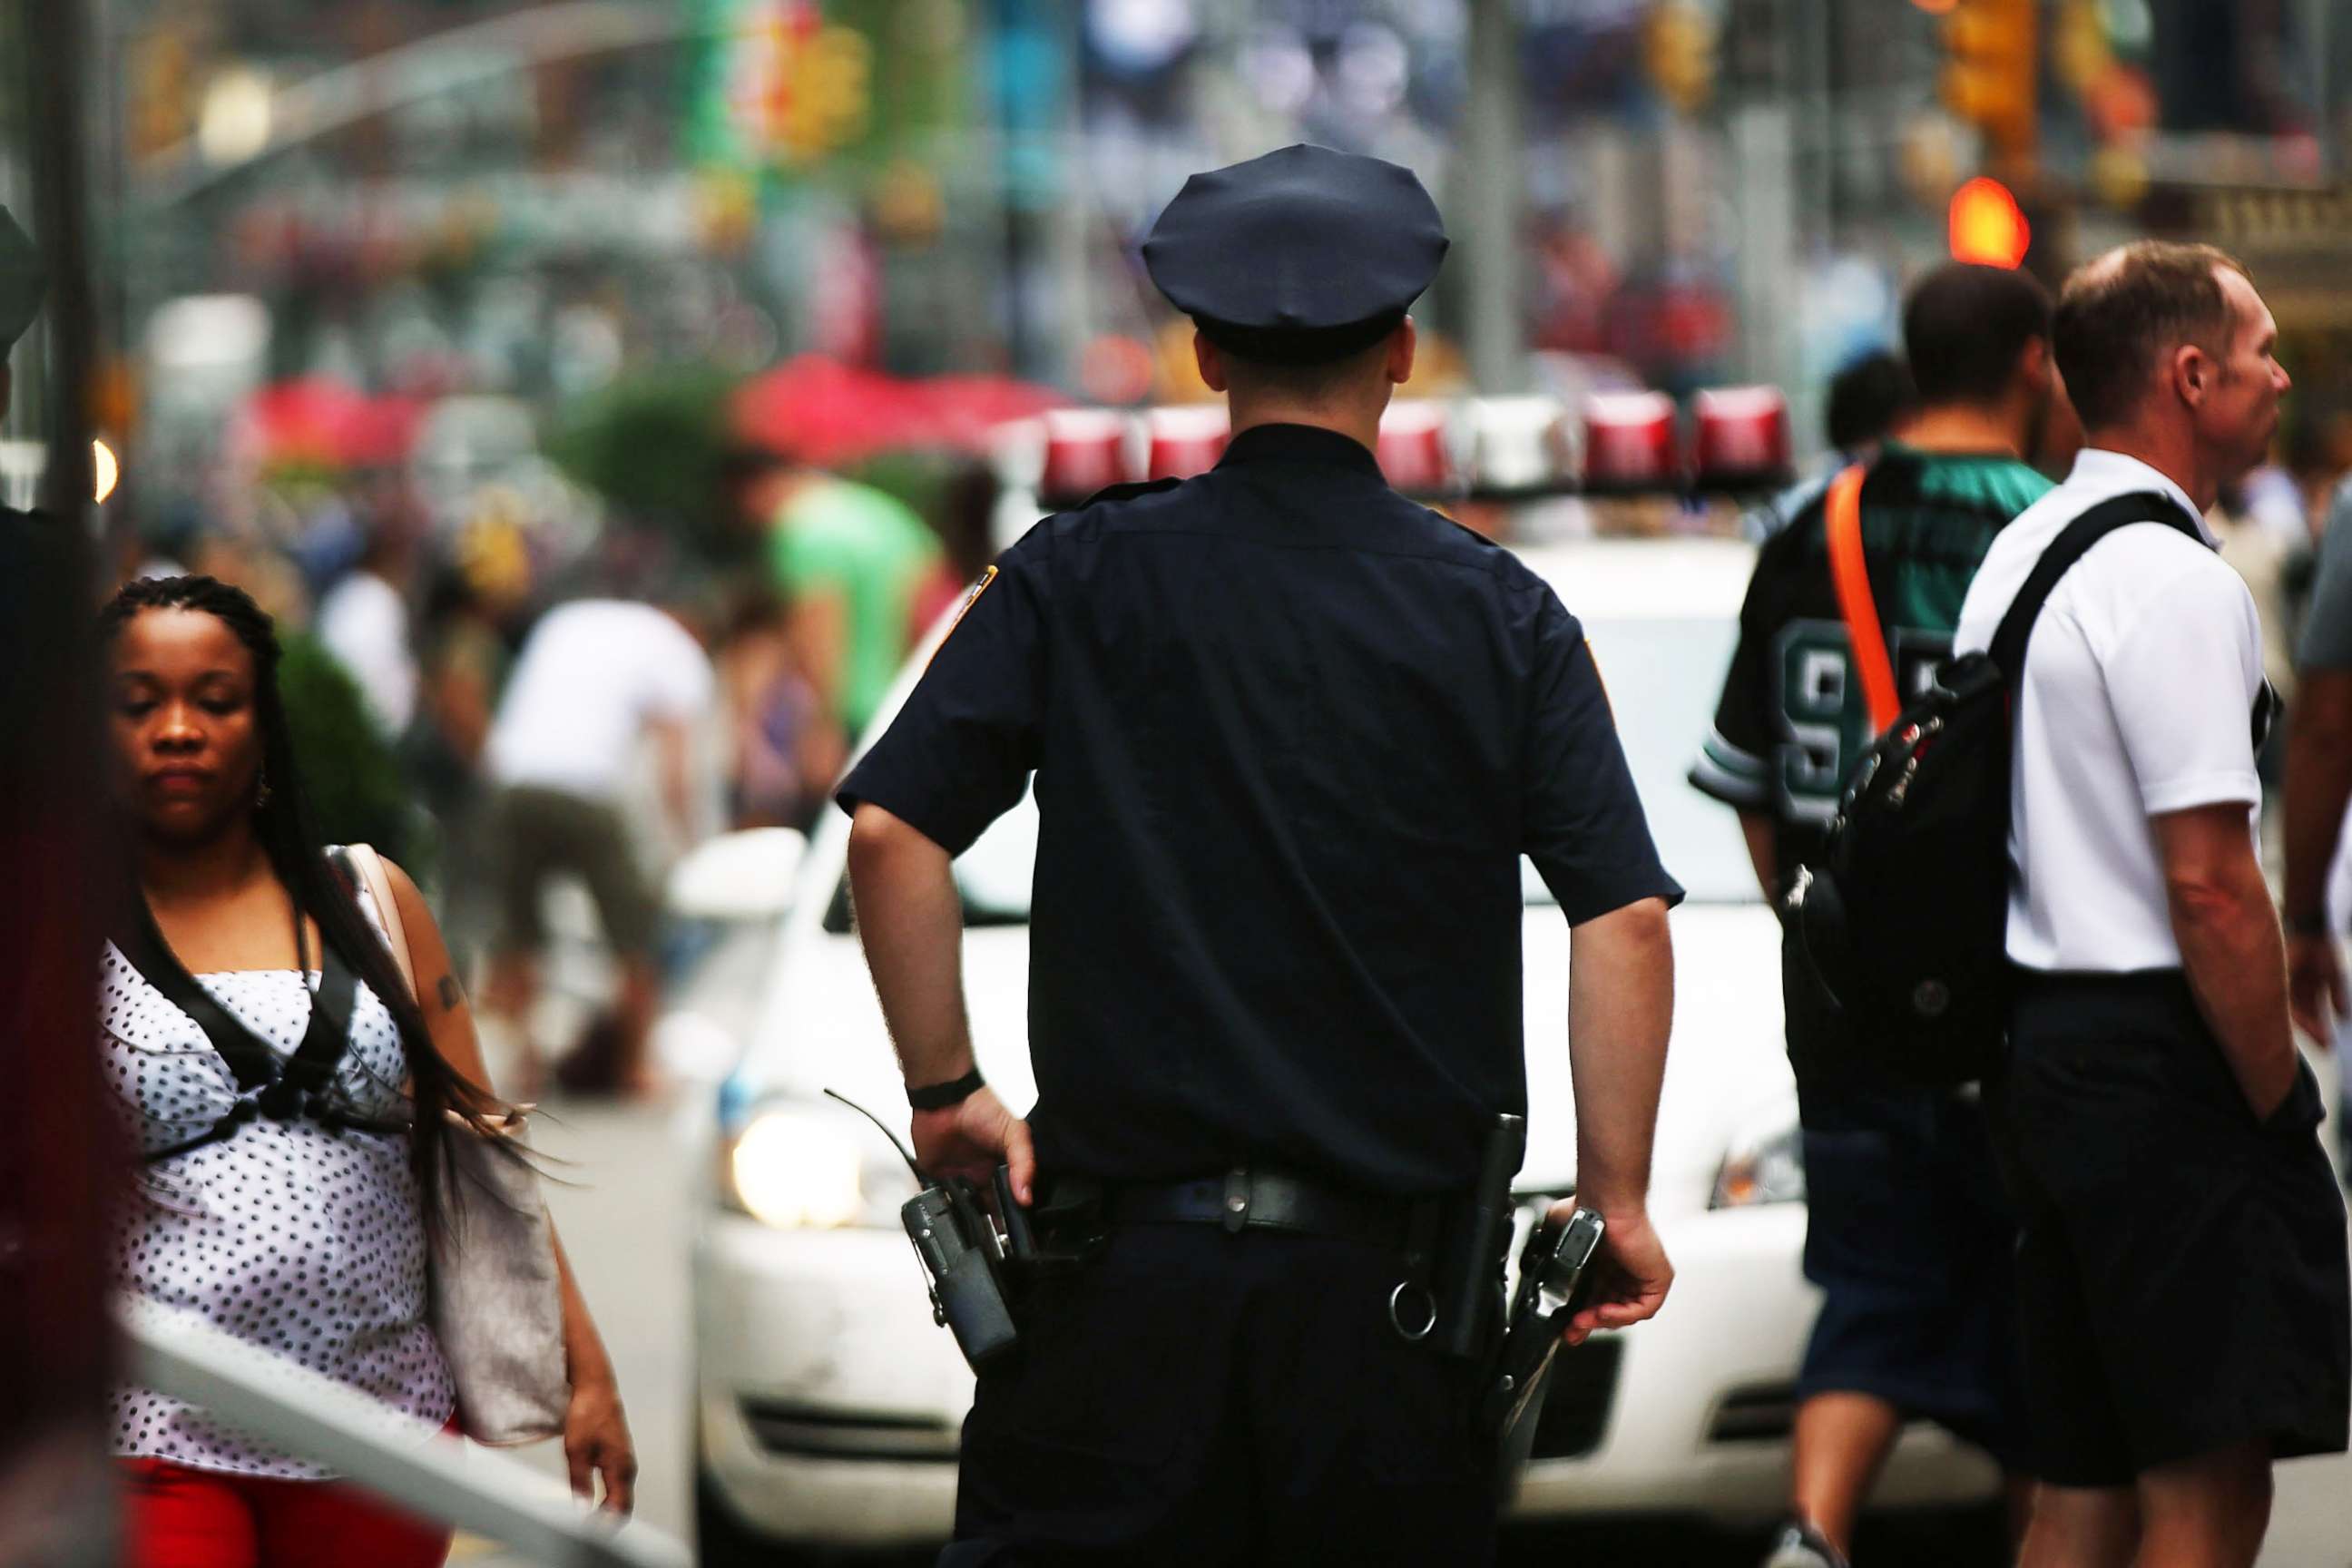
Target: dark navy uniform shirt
(1291, 733)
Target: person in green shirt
(852, 563)
(1907, 1232)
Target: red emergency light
(1086, 449)
(1187, 439)
(1628, 443)
(1741, 437)
(1412, 452)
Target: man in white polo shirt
(2181, 1262)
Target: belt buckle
(1237, 1200)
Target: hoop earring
(261, 792)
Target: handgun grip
(1020, 1241)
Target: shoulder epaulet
(1122, 492)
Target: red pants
(175, 1517)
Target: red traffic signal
(1988, 225)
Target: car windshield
(1663, 674)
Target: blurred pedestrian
(2318, 791)
(364, 621)
(1291, 735)
(1868, 401)
(463, 657)
(1905, 1232)
(850, 562)
(303, 1230)
(781, 755)
(596, 679)
(2161, 1130)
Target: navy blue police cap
(1302, 256)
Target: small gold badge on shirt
(979, 587)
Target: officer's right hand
(1633, 1277)
(971, 1138)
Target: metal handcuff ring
(1428, 1315)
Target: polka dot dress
(304, 1242)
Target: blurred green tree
(357, 793)
(650, 445)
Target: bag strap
(1842, 512)
(251, 1063)
(2073, 542)
(365, 867)
(268, 1085)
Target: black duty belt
(1243, 1199)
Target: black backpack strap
(251, 1063)
(282, 1089)
(2008, 650)
(309, 1072)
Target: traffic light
(1988, 225)
(1992, 79)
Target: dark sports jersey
(1793, 719)
(1291, 734)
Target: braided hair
(297, 852)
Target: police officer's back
(1290, 735)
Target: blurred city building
(416, 200)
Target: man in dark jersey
(1907, 1236)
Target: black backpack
(1895, 953)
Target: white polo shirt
(2140, 683)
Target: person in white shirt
(363, 622)
(2181, 1260)
(595, 679)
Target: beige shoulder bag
(496, 1299)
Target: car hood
(1728, 1075)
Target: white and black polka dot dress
(302, 1241)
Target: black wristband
(939, 1096)
(2310, 925)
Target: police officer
(1291, 735)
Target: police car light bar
(1479, 449)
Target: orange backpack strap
(1842, 511)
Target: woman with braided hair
(302, 1229)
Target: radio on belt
(962, 1252)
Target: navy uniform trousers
(1199, 1398)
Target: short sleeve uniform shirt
(1290, 734)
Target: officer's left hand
(1633, 1277)
(971, 1138)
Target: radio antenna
(885, 1132)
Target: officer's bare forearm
(1621, 1004)
(2318, 785)
(911, 924)
(2230, 945)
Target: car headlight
(1768, 1168)
(799, 1166)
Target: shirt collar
(1299, 443)
(2116, 474)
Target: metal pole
(431, 1475)
(1490, 187)
(61, 217)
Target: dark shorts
(1203, 1399)
(543, 832)
(1909, 1237)
(2181, 1265)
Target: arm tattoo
(451, 996)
